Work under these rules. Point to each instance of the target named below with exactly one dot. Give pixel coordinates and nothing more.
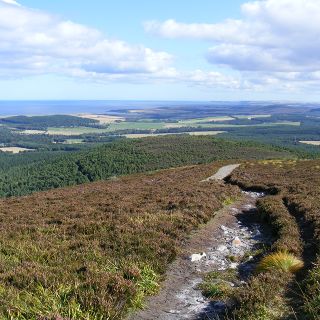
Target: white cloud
(272, 36)
(10, 2)
(274, 45)
(34, 42)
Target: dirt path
(180, 297)
(223, 172)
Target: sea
(8, 108)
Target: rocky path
(232, 232)
(223, 172)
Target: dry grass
(282, 261)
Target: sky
(160, 50)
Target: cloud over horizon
(273, 46)
(272, 37)
(34, 42)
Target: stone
(236, 242)
(222, 248)
(197, 256)
(234, 265)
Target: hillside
(120, 158)
(94, 251)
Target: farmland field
(313, 143)
(14, 149)
(253, 116)
(222, 125)
(192, 133)
(103, 119)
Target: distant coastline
(37, 107)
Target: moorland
(94, 208)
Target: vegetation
(125, 157)
(44, 122)
(115, 238)
(282, 261)
(94, 251)
(294, 213)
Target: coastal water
(93, 106)
(73, 107)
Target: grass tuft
(282, 261)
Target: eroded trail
(233, 232)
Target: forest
(33, 172)
(44, 122)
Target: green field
(156, 125)
(252, 116)
(223, 125)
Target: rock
(197, 256)
(225, 229)
(234, 265)
(236, 242)
(222, 248)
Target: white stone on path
(236, 242)
(222, 248)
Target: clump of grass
(311, 293)
(218, 285)
(215, 291)
(228, 201)
(147, 284)
(262, 298)
(282, 261)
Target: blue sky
(160, 50)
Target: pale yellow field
(33, 132)
(102, 118)
(208, 119)
(206, 133)
(313, 143)
(145, 135)
(14, 149)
